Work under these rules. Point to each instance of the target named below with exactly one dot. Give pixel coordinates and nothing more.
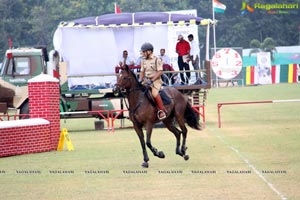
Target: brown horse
(143, 113)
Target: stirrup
(163, 117)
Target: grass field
(255, 155)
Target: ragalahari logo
(271, 8)
(246, 8)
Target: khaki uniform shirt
(150, 67)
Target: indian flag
(218, 7)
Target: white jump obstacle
(219, 105)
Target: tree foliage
(33, 22)
(268, 45)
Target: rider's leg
(161, 113)
(161, 109)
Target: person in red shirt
(183, 50)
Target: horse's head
(126, 80)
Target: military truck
(21, 64)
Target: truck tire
(24, 110)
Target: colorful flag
(117, 9)
(293, 73)
(275, 74)
(250, 75)
(286, 73)
(218, 7)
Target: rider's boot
(161, 109)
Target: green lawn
(255, 155)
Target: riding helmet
(147, 46)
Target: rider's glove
(149, 82)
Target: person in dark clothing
(183, 50)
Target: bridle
(125, 92)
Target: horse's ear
(126, 67)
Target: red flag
(117, 9)
(10, 43)
(56, 74)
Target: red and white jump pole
(250, 102)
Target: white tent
(93, 46)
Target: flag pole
(214, 26)
(214, 35)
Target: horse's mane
(135, 77)
(140, 85)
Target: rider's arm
(142, 75)
(157, 75)
(159, 70)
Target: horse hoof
(179, 153)
(183, 149)
(186, 157)
(145, 165)
(161, 154)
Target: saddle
(164, 97)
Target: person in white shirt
(194, 56)
(165, 59)
(168, 78)
(139, 60)
(126, 59)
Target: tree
(31, 22)
(268, 45)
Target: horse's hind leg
(183, 146)
(184, 134)
(155, 152)
(171, 127)
(181, 123)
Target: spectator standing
(194, 57)
(183, 50)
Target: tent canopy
(136, 19)
(94, 45)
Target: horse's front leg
(183, 146)
(155, 152)
(140, 134)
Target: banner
(264, 68)
(279, 74)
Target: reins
(126, 92)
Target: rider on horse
(151, 71)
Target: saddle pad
(165, 98)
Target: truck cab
(19, 65)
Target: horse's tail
(191, 117)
